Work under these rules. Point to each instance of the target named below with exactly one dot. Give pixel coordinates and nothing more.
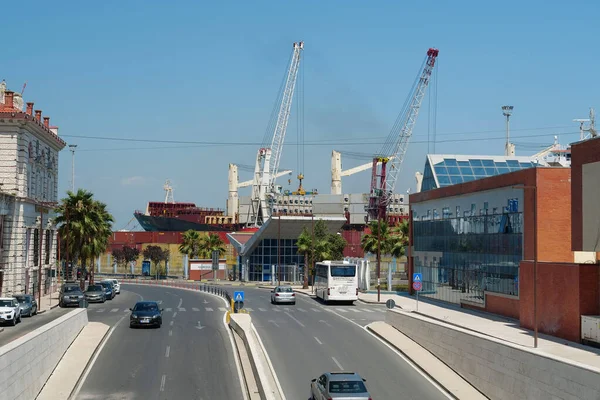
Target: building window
(1, 232)
(27, 245)
(36, 246)
(446, 212)
(48, 246)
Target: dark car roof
(146, 302)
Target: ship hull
(165, 224)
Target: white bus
(336, 281)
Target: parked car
(116, 285)
(145, 313)
(339, 385)
(28, 304)
(108, 289)
(283, 294)
(9, 310)
(70, 295)
(95, 294)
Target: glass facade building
(441, 170)
(462, 257)
(264, 257)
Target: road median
(261, 370)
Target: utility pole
(508, 147)
(72, 149)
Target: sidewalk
(49, 301)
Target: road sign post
(238, 298)
(215, 263)
(417, 285)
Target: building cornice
(35, 126)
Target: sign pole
(417, 285)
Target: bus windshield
(349, 270)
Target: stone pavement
(49, 301)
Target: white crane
(337, 173)
(267, 160)
(397, 144)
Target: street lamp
(535, 258)
(507, 112)
(72, 148)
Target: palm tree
(213, 243)
(191, 243)
(86, 226)
(399, 239)
(378, 241)
(305, 247)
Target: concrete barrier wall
(499, 369)
(27, 363)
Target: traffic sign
(238, 296)
(417, 286)
(417, 277)
(390, 304)
(215, 260)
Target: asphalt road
(189, 357)
(29, 324)
(309, 338)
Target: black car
(145, 313)
(28, 304)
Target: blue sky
(210, 71)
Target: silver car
(340, 386)
(283, 294)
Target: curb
(417, 365)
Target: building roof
(284, 227)
(443, 170)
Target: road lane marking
(222, 309)
(287, 309)
(301, 309)
(168, 309)
(168, 351)
(274, 323)
(365, 310)
(125, 310)
(195, 309)
(114, 310)
(261, 309)
(249, 309)
(315, 310)
(174, 314)
(275, 309)
(170, 332)
(101, 310)
(171, 323)
(318, 341)
(180, 301)
(299, 323)
(341, 310)
(181, 309)
(337, 363)
(326, 323)
(355, 310)
(208, 309)
(162, 383)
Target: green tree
(85, 226)
(398, 239)
(192, 243)
(119, 257)
(305, 247)
(131, 254)
(211, 243)
(156, 255)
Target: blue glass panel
(526, 165)
(503, 170)
(440, 170)
(464, 164)
(487, 163)
(490, 171)
(479, 171)
(512, 163)
(466, 171)
(450, 161)
(515, 168)
(468, 178)
(444, 180)
(456, 179)
(453, 171)
(501, 164)
(476, 163)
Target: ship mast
(169, 192)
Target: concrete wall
(499, 369)
(27, 363)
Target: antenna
(591, 128)
(24, 86)
(169, 192)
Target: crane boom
(393, 153)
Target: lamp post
(72, 148)
(535, 258)
(507, 112)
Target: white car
(10, 311)
(116, 284)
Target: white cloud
(133, 181)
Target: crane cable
(270, 131)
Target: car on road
(10, 311)
(283, 294)
(95, 294)
(70, 295)
(145, 313)
(339, 385)
(28, 304)
(108, 289)
(116, 285)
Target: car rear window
(347, 387)
(343, 271)
(72, 288)
(285, 290)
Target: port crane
(387, 164)
(337, 173)
(267, 159)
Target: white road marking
(180, 301)
(101, 310)
(318, 341)
(342, 310)
(126, 310)
(114, 310)
(261, 309)
(274, 323)
(195, 309)
(170, 332)
(168, 351)
(208, 309)
(275, 309)
(171, 323)
(181, 309)
(174, 314)
(355, 310)
(315, 310)
(301, 309)
(299, 323)
(168, 309)
(337, 363)
(222, 309)
(249, 309)
(325, 322)
(162, 383)
(365, 310)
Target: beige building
(29, 149)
